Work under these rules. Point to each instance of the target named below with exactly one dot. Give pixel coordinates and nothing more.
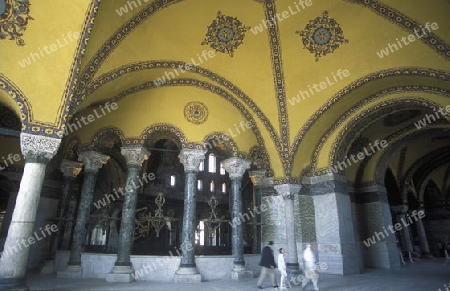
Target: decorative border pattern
(231, 148)
(70, 105)
(135, 67)
(403, 133)
(406, 23)
(280, 91)
(19, 98)
(205, 86)
(383, 162)
(113, 42)
(362, 120)
(408, 71)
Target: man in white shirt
(311, 272)
(282, 267)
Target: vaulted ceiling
(311, 85)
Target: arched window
(199, 185)
(212, 163)
(224, 188)
(212, 186)
(201, 167)
(172, 180)
(222, 169)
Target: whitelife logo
(284, 15)
(33, 57)
(412, 37)
(378, 236)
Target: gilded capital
(134, 155)
(70, 169)
(191, 158)
(92, 160)
(39, 145)
(236, 167)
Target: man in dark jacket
(267, 265)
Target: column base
(122, 274)
(13, 284)
(188, 275)
(71, 271)
(49, 267)
(241, 275)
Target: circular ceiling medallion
(225, 34)
(322, 36)
(196, 112)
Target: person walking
(268, 265)
(282, 267)
(311, 273)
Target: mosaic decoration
(322, 36)
(408, 71)
(225, 34)
(196, 112)
(14, 19)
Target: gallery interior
(170, 140)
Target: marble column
(37, 151)
(424, 247)
(257, 177)
(336, 242)
(401, 211)
(288, 192)
(187, 272)
(123, 269)
(374, 216)
(92, 161)
(70, 170)
(236, 168)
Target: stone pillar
(288, 192)
(70, 171)
(401, 211)
(38, 151)
(123, 269)
(257, 177)
(188, 273)
(236, 168)
(92, 161)
(424, 247)
(334, 227)
(374, 216)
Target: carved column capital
(288, 191)
(92, 160)
(134, 155)
(257, 177)
(191, 158)
(70, 169)
(236, 167)
(38, 146)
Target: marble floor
(426, 275)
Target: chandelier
(145, 221)
(213, 222)
(159, 220)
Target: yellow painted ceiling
(175, 34)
